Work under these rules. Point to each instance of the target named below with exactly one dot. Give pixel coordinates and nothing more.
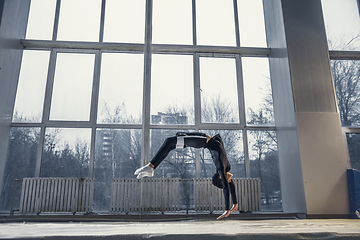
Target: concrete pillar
(312, 152)
(12, 29)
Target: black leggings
(226, 186)
(195, 142)
(170, 144)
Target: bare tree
(117, 115)
(218, 110)
(346, 75)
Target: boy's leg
(226, 195)
(233, 196)
(168, 145)
(148, 170)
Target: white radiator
(144, 195)
(56, 195)
(210, 198)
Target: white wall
(312, 152)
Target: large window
(265, 166)
(215, 22)
(120, 92)
(103, 83)
(342, 23)
(124, 21)
(346, 75)
(171, 24)
(172, 89)
(219, 95)
(117, 154)
(66, 152)
(257, 90)
(73, 80)
(79, 21)
(32, 82)
(41, 16)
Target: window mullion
(241, 92)
(236, 19)
(145, 150)
(197, 109)
(246, 153)
(56, 20)
(49, 87)
(93, 110)
(194, 22)
(102, 21)
(95, 89)
(40, 151)
(197, 96)
(46, 110)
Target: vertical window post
(147, 85)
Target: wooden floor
(153, 217)
(195, 228)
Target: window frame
(97, 48)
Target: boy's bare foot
(234, 207)
(224, 215)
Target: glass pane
(79, 20)
(342, 24)
(264, 164)
(124, 21)
(234, 147)
(20, 163)
(257, 88)
(41, 19)
(215, 22)
(31, 87)
(121, 84)
(172, 89)
(353, 142)
(252, 25)
(66, 153)
(117, 155)
(172, 24)
(346, 75)
(219, 99)
(72, 87)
